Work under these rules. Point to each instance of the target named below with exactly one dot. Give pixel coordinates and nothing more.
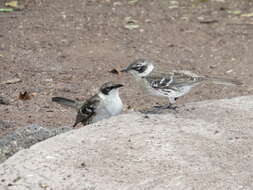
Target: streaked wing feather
(88, 110)
(172, 80)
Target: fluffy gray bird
(104, 104)
(170, 84)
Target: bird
(171, 85)
(104, 104)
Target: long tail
(231, 82)
(65, 102)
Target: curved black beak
(117, 85)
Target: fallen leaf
(1, 55)
(208, 21)
(223, 8)
(16, 179)
(33, 94)
(130, 23)
(13, 4)
(11, 81)
(25, 95)
(229, 71)
(132, 2)
(127, 108)
(247, 15)
(234, 12)
(115, 71)
(6, 10)
(173, 7)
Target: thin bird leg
(171, 105)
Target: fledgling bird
(104, 104)
(169, 84)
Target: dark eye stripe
(140, 69)
(107, 90)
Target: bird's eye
(108, 89)
(140, 68)
(137, 67)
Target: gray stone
(24, 138)
(4, 101)
(205, 146)
(4, 126)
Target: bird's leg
(75, 124)
(171, 105)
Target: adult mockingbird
(169, 84)
(104, 104)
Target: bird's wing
(173, 80)
(87, 111)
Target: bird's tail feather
(216, 80)
(65, 102)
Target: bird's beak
(118, 85)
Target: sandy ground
(66, 48)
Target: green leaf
(234, 12)
(6, 10)
(247, 15)
(131, 23)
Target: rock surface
(206, 145)
(24, 138)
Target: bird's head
(139, 68)
(109, 88)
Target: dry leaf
(132, 2)
(6, 10)
(24, 96)
(127, 107)
(11, 81)
(115, 71)
(33, 94)
(130, 23)
(247, 15)
(208, 21)
(234, 12)
(13, 4)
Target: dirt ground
(66, 48)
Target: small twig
(12, 81)
(208, 21)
